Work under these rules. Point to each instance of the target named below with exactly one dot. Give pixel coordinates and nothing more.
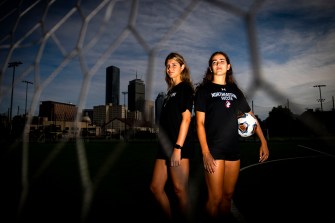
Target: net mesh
(33, 35)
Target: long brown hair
(185, 74)
(209, 76)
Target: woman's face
(219, 65)
(173, 68)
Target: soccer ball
(246, 125)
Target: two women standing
(217, 103)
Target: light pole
(125, 110)
(321, 99)
(12, 64)
(27, 82)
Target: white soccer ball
(246, 125)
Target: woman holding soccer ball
(218, 102)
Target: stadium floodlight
(321, 99)
(27, 82)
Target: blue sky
(65, 50)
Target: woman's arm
(264, 150)
(209, 162)
(183, 129)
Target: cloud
(295, 40)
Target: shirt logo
(224, 96)
(168, 97)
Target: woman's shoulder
(186, 86)
(234, 87)
(203, 88)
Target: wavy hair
(209, 76)
(185, 74)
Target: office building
(149, 114)
(158, 106)
(136, 95)
(103, 115)
(112, 85)
(57, 111)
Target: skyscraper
(158, 106)
(136, 95)
(112, 85)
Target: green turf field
(108, 180)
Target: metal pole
(125, 110)
(12, 64)
(27, 82)
(321, 99)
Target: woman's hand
(176, 157)
(209, 162)
(263, 153)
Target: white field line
(291, 158)
(235, 210)
(327, 154)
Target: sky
(280, 51)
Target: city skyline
(292, 50)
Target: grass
(294, 185)
(121, 172)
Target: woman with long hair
(175, 144)
(218, 102)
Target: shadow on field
(290, 186)
(296, 189)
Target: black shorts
(187, 152)
(225, 156)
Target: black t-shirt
(221, 104)
(178, 100)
